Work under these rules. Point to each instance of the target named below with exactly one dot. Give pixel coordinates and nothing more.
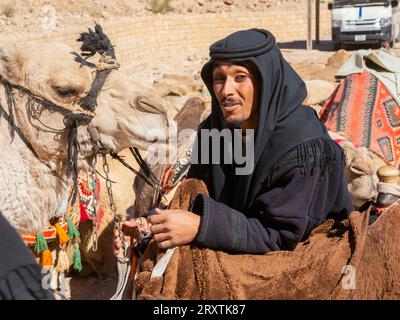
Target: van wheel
(391, 43)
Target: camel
(361, 169)
(41, 87)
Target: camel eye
(65, 91)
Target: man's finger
(156, 219)
(165, 244)
(117, 243)
(129, 223)
(159, 228)
(117, 246)
(160, 237)
(129, 228)
(160, 211)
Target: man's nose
(228, 88)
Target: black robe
(20, 275)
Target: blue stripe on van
(360, 12)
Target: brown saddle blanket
(346, 259)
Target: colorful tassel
(73, 232)
(76, 258)
(62, 261)
(62, 235)
(41, 247)
(40, 244)
(46, 259)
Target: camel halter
(92, 42)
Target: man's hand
(172, 228)
(131, 230)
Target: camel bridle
(92, 42)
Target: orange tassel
(62, 234)
(47, 259)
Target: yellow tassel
(62, 234)
(47, 259)
(62, 261)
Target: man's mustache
(229, 101)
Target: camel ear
(12, 64)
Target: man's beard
(231, 124)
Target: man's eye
(218, 79)
(241, 77)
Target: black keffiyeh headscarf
(283, 122)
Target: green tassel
(76, 258)
(72, 230)
(40, 244)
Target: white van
(365, 21)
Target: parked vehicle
(365, 21)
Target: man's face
(235, 88)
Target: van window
(341, 3)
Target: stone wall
(138, 40)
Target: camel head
(360, 171)
(126, 113)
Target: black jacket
(297, 196)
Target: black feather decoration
(96, 41)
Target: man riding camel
(297, 179)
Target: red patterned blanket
(362, 109)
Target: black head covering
(283, 121)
